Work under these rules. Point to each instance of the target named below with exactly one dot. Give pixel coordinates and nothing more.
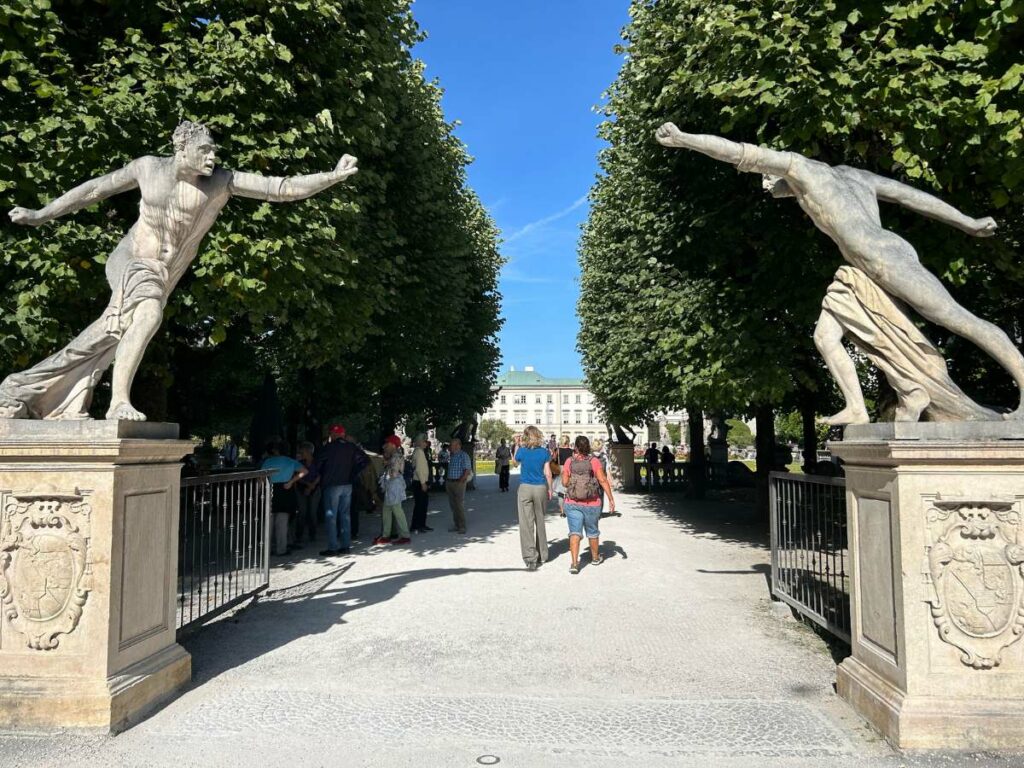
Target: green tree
(329, 295)
(739, 433)
(698, 289)
(494, 431)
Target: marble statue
(181, 197)
(863, 303)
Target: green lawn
(794, 468)
(485, 466)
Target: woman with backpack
(584, 479)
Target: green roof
(534, 379)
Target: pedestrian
(562, 454)
(502, 456)
(532, 497)
(420, 483)
(286, 473)
(668, 463)
(443, 456)
(339, 464)
(584, 478)
(458, 474)
(564, 450)
(392, 484)
(651, 460)
(308, 497)
(229, 453)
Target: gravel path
(449, 653)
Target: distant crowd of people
(324, 482)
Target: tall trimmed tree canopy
(349, 283)
(698, 288)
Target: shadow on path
(312, 607)
(727, 516)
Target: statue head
(776, 186)
(194, 148)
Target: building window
(519, 417)
(550, 399)
(536, 417)
(519, 400)
(590, 417)
(502, 399)
(579, 399)
(579, 417)
(536, 400)
(565, 399)
(565, 418)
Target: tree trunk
(807, 415)
(698, 463)
(765, 442)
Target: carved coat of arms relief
(974, 564)
(45, 568)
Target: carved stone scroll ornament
(975, 569)
(45, 568)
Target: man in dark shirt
(339, 464)
(651, 457)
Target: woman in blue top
(533, 497)
(283, 503)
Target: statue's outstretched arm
(893, 191)
(279, 189)
(747, 157)
(82, 196)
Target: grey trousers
(533, 536)
(457, 500)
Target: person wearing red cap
(392, 483)
(339, 463)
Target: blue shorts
(582, 518)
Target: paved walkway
(449, 653)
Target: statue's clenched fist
(985, 227)
(347, 166)
(669, 136)
(25, 216)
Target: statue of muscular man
(843, 203)
(181, 197)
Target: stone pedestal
(937, 598)
(88, 572)
(621, 474)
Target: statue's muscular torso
(174, 216)
(843, 203)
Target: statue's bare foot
(846, 416)
(912, 405)
(13, 409)
(125, 412)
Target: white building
(557, 407)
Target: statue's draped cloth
(60, 387)
(880, 328)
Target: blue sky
(523, 77)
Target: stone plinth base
(936, 541)
(88, 573)
(621, 476)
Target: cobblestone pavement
(449, 653)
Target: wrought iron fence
(810, 554)
(223, 543)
